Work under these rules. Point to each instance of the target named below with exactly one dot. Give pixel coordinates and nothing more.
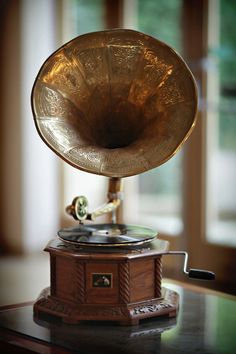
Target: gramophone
(114, 103)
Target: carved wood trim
(53, 274)
(80, 290)
(126, 313)
(158, 277)
(124, 279)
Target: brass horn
(115, 102)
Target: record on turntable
(107, 235)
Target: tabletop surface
(206, 324)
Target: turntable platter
(107, 235)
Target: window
(221, 124)
(81, 16)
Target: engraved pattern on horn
(115, 102)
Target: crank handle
(193, 273)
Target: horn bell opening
(115, 103)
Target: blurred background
(190, 200)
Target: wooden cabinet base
(124, 314)
(122, 286)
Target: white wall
(29, 187)
(40, 170)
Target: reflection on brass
(115, 103)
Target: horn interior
(115, 103)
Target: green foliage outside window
(89, 15)
(162, 20)
(224, 55)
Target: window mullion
(194, 12)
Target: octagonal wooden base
(106, 285)
(124, 314)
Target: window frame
(202, 253)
